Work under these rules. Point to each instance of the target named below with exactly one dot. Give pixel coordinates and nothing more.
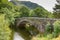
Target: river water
(17, 36)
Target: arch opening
(28, 28)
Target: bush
(49, 28)
(56, 28)
(5, 31)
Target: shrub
(5, 31)
(49, 28)
(56, 28)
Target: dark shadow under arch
(24, 32)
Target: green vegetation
(56, 12)
(5, 31)
(48, 28)
(56, 28)
(24, 11)
(7, 15)
(9, 11)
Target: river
(17, 36)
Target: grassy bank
(45, 38)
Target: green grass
(48, 37)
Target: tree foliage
(57, 11)
(39, 12)
(24, 11)
(56, 28)
(7, 16)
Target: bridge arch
(24, 22)
(31, 28)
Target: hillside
(29, 4)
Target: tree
(32, 14)
(57, 10)
(39, 12)
(24, 11)
(7, 17)
(3, 1)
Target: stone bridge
(39, 23)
